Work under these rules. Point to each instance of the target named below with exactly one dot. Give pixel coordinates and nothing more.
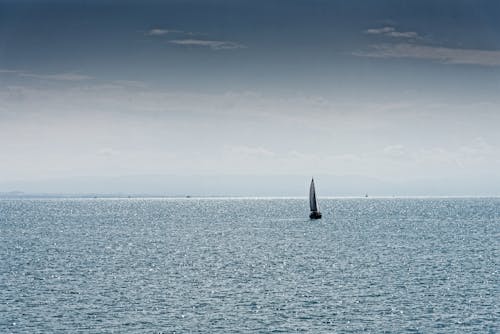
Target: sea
(249, 265)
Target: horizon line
(20, 195)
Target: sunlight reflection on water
(249, 265)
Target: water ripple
(249, 265)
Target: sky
(392, 97)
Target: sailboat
(313, 203)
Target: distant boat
(313, 203)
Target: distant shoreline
(8, 196)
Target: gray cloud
(406, 34)
(107, 152)
(378, 31)
(441, 54)
(6, 71)
(58, 76)
(212, 44)
(250, 151)
(130, 83)
(190, 41)
(392, 32)
(121, 130)
(68, 76)
(161, 32)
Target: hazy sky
(394, 90)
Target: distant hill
(246, 185)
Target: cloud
(214, 45)
(107, 152)
(67, 76)
(60, 76)
(161, 32)
(250, 151)
(130, 83)
(117, 130)
(10, 71)
(441, 54)
(479, 147)
(444, 55)
(394, 151)
(70, 76)
(392, 32)
(190, 41)
(476, 153)
(406, 34)
(378, 31)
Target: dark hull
(315, 215)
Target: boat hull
(315, 215)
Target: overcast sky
(399, 91)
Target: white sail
(312, 197)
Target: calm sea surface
(249, 265)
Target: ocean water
(249, 265)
